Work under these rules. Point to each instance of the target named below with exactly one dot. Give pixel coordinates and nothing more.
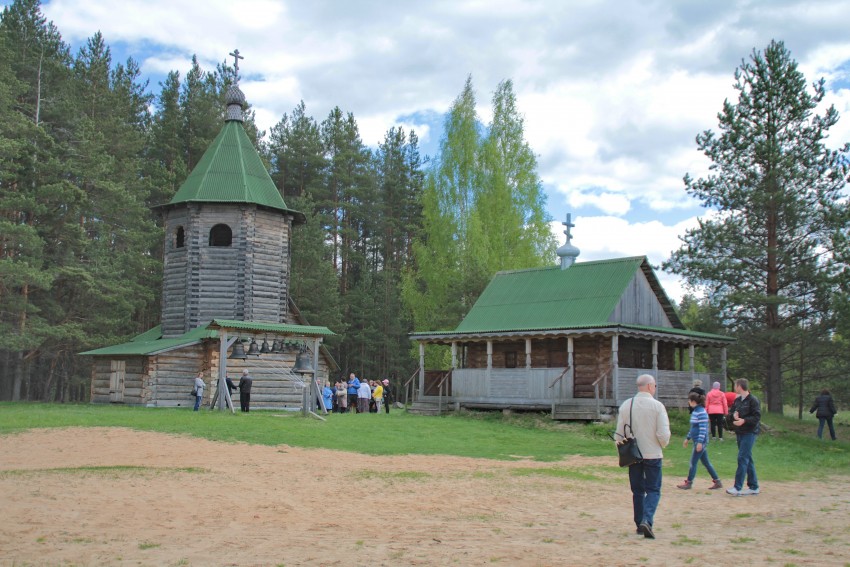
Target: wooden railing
(410, 386)
(604, 379)
(441, 386)
(552, 385)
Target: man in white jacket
(651, 429)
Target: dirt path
(112, 496)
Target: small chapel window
(221, 235)
(179, 237)
(510, 359)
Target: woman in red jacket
(717, 408)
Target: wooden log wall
(175, 273)
(248, 280)
(267, 264)
(275, 385)
(134, 386)
(545, 353)
(591, 358)
(172, 375)
(639, 305)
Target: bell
(265, 349)
(253, 349)
(276, 347)
(238, 351)
(303, 363)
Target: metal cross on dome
(236, 58)
(569, 225)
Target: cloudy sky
(613, 93)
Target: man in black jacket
(826, 410)
(245, 391)
(746, 417)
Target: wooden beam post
(655, 358)
(692, 357)
(615, 366)
(528, 354)
(421, 369)
(571, 372)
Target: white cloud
(612, 98)
(604, 237)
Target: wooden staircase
(583, 410)
(428, 407)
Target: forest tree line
(394, 241)
(87, 147)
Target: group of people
(245, 383)
(740, 411)
(648, 422)
(355, 395)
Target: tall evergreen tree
(767, 258)
(33, 135)
(166, 154)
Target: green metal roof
(551, 298)
(150, 342)
(304, 330)
(231, 171)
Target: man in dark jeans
(648, 423)
(245, 391)
(746, 417)
(353, 386)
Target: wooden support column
(489, 360)
(421, 369)
(615, 365)
(222, 392)
(222, 368)
(454, 354)
(723, 369)
(655, 359)
(316, 377)
(571, 373)
(528, 353)
(691, 356)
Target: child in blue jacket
(699, 435)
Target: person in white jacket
(364, 394)
(650, 427)
(199, 389)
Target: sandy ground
(112, 496)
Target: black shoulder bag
(628, 448)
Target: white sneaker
(749, 492)
(734, 491)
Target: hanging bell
(265, 349)
(238, 351)
(276, 347)
(253, 349)
(303, 363)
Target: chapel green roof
(547, 298)
(231, 171)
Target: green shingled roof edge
(231, 171)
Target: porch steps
(582, 410)
(427, 407)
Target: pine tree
(767, 258)
(33, 129)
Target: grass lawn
(786, 450)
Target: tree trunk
(18, 363)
